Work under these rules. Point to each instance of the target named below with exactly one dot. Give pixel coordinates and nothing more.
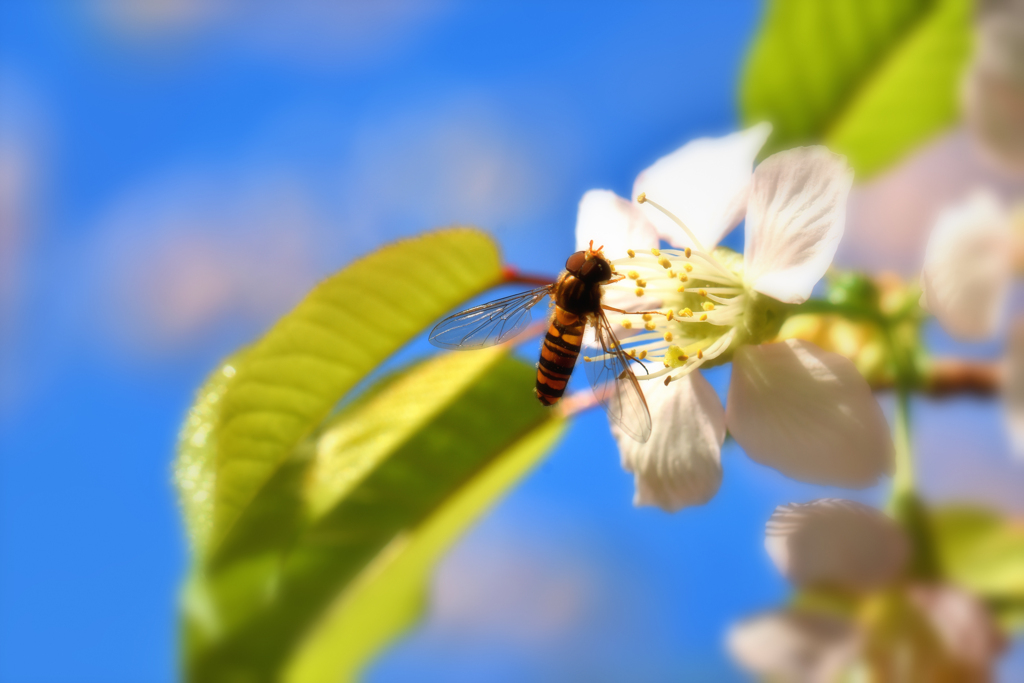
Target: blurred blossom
(994, 86)
(188, 256)
(968, 266)
(793, 407)
(796, 647)
(877, 625)
(182, 258)
(16, 176)
(511, 589)
(892, 214)
(310, 31)
(1013, 388)
(462, 164)
(24, 141)
(837, 543)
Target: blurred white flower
(968, 267)
(803, 411)
(994, 85)
(913, 631)
(1013, 389)
(837, 543)
(795, 647)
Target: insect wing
(488, 324)
(613, 382)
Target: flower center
(689, 303)
(692, 306)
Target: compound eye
(596, 270)
(575, 262)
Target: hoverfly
(577, 303)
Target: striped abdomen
(558, 355)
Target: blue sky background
(173, 180)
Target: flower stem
(512, 275)
(903, 479)
(904, 504)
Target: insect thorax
(576, 296)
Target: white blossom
(967, 273)
(894, 629)
(792, 406)
(994, 83)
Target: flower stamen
(642, 198)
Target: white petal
(807, 413)
(964, 626)
(796, 214)
(1013, 389)
(967, 267)
(614, 222)
(796, 647)
(836, 543)
(679, 465)
(703, 183)
(994, 87)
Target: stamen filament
(674, 218)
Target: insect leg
(619, 310)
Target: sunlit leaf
(982, 551)
(341, 331)
(1009, 613)
(194, 472)
(384, 482)
(389, 594)
(872, 79)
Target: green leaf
(389, 594)
(194, 472)
(389, 482)
(872, 79)
(1009, 613)
(350, 323)
(982, 551)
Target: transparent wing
(488, 324)
(613, 382)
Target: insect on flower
(577, 303)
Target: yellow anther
(627, 324)
(643, 354)
(666, 364)
(664, 262)
(703, 316)
(700, 353)
(686, 313)
(647, 316)
(613, 268)
(668, 336)
(640, 282)
(656, 251)
(708, 306)
(683, 277)
(682, 288)
(639, 291)
(702, 292)
(587, 359)
(631, 253)
(669, 315)
(632, 353)
(689, 267)
(649, 327)
(632, 275)
(641, 198)
(688, 252)
(672, 273)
